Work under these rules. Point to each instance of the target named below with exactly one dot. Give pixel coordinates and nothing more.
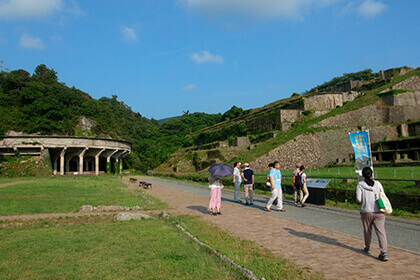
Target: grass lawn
(149, 249)
(5, 180)
(67, 194)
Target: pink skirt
(215, 198)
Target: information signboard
(317, 183)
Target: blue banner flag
(361, 146)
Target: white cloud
(190, 87)
(370, 8)
(129, 33)
(257, 9)
(28, 41)
(206, 56)
(28, 8)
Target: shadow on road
(199, 208)
(325, 239)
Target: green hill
(39, 103)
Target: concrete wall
(241, 142)
(388, 74)
(403, 99)
(412, 83)
(368, 115)
(346, 87)
(323, 101)
(329, 101)
(287, 117)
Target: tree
(45, 74)
(232, 113)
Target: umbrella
(220, 170)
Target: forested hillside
(39, 103)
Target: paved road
(401, 233)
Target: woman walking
(370, 214)
(303, 192)
(215, 185)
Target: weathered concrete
(412, 83)
(75, 155)
(329, 101)
(403, 99)
(288, 117)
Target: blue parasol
(220, 170)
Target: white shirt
(237, 174)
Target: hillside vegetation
(39, 103)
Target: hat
(246, 164)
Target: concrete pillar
(62, 154)
(108, 160)
(404, 130)
(97, 162)
(55, 165)
(117, 165)
(121, 165)
(81, 158)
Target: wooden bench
(145, 185)
(133, 180)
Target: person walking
(216, 186)
(303, 191)
(237, 181)
(268, 184)
(276, 191)
(366, 191)
(295, 191)
(248, 176)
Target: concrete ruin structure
(70, 155)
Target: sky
(164, 58)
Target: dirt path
(338, 255)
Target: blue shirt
(276, 174)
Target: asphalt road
(401, 233)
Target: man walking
(276, 192)
(248, 176)
(237, 181)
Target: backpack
(298, 181)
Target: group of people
(273, 182)
(366, 194)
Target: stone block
(112, 208)
(124, 216)
(86, 208)
(241, 142)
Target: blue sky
(165, 57)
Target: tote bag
(383, 202)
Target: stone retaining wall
(318, 149)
